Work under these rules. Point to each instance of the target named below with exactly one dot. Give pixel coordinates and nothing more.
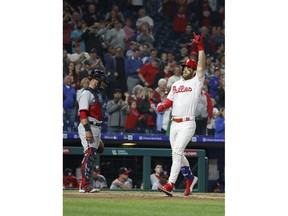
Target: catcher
(89, 129)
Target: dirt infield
(142, 195)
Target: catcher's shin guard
(88, 163)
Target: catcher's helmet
(190, 63)
(101, 77)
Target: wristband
(200, 46)
(87, 127)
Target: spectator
(99, 181)
(114, 14)
(221, 93)
(206, 40)
(164, 59)
(116, 36)
(75, 17)
(69, 111)
(214, 83)
(117, 77)
(222, 64)
(209, 68)
(145, 36)
(145, 52)
(186, 38)
(152, 55)
(132, 119)
(163, 119)
(93, 40)
(65, 60)
(130, 33)
(171, 57)
(211, 122)
(83, 84)
(204, 111)
(165, 73)
(72, 72)
(180, 22)
(148, 71)
(153, 6)
(95, 61)
(135, 5)
(220, 125)
(67, 30)
(123, 181)
(147, 110)
(137, 94)
(133, 45)
(206, 14)
(110, 51)
(76, 37)
(177, 76)
(218, 36)
(160, 91)
(86, 72)
(69, 180)
(78, 56)
(117, 110)
(158, 177)
(182, 56)
(132, 68)
(143, 18)
(91, 16)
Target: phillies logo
(181, 89)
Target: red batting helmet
(190, 63)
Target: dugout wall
(141, 161)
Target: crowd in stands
(141, 46)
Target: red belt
(181, 119)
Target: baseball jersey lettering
(185, 95)
(181, 88)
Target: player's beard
(187, 76)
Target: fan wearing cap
(99, 181)
(78, 56)
(89, 129)
(184, 96)
(123, 181)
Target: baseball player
(184, 95)
(89, 129)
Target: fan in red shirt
(148, 72)
(180, 22)
(132, 119)
(69, 180)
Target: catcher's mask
(102, 78)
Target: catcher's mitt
(100, 147)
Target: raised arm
(201, 56)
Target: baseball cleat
(167, 189)
(189, 186)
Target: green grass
(119, 207)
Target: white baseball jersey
(99, 182)
(185, 95)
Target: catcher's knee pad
(88, 163)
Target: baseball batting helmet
(190, 63)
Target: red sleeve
(83, 114)
(209, 105)
(167, 103)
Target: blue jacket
(220, 128)
(131, 65)
(70, 97)
(213, 86)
